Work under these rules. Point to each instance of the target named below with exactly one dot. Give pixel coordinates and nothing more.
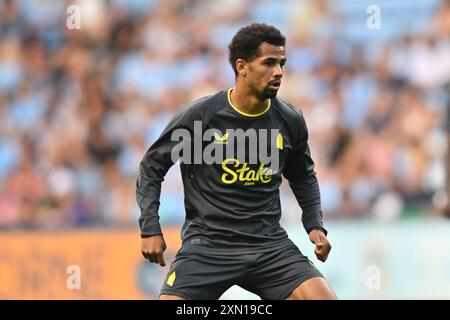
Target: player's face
(266, 70)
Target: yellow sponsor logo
(171, 279)
(244, 173)
(219, 139)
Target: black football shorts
(204, 275)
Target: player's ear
(241, 67)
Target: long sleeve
(153, 167)
(299, 170)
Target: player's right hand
(152, 248)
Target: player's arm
(299, 170)
(153, 167)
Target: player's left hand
(323, 246)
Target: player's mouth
(275, 84)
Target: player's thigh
(276, 274)
(197, 276)
(316, 288)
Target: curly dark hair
(246, 42)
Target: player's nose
(278, 73)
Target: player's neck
(246, 102)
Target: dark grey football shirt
(233, 205)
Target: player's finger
(319, 247)
(144, 254)
(160, 258)
(321, 257)
(326, 248)
(319, 254)
(324, 254)
(152, 258)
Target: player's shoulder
(204, 106)
(291, 114)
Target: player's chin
(270, 92)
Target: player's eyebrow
(273, 59)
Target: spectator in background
(77, 107)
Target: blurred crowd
(79, 107)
